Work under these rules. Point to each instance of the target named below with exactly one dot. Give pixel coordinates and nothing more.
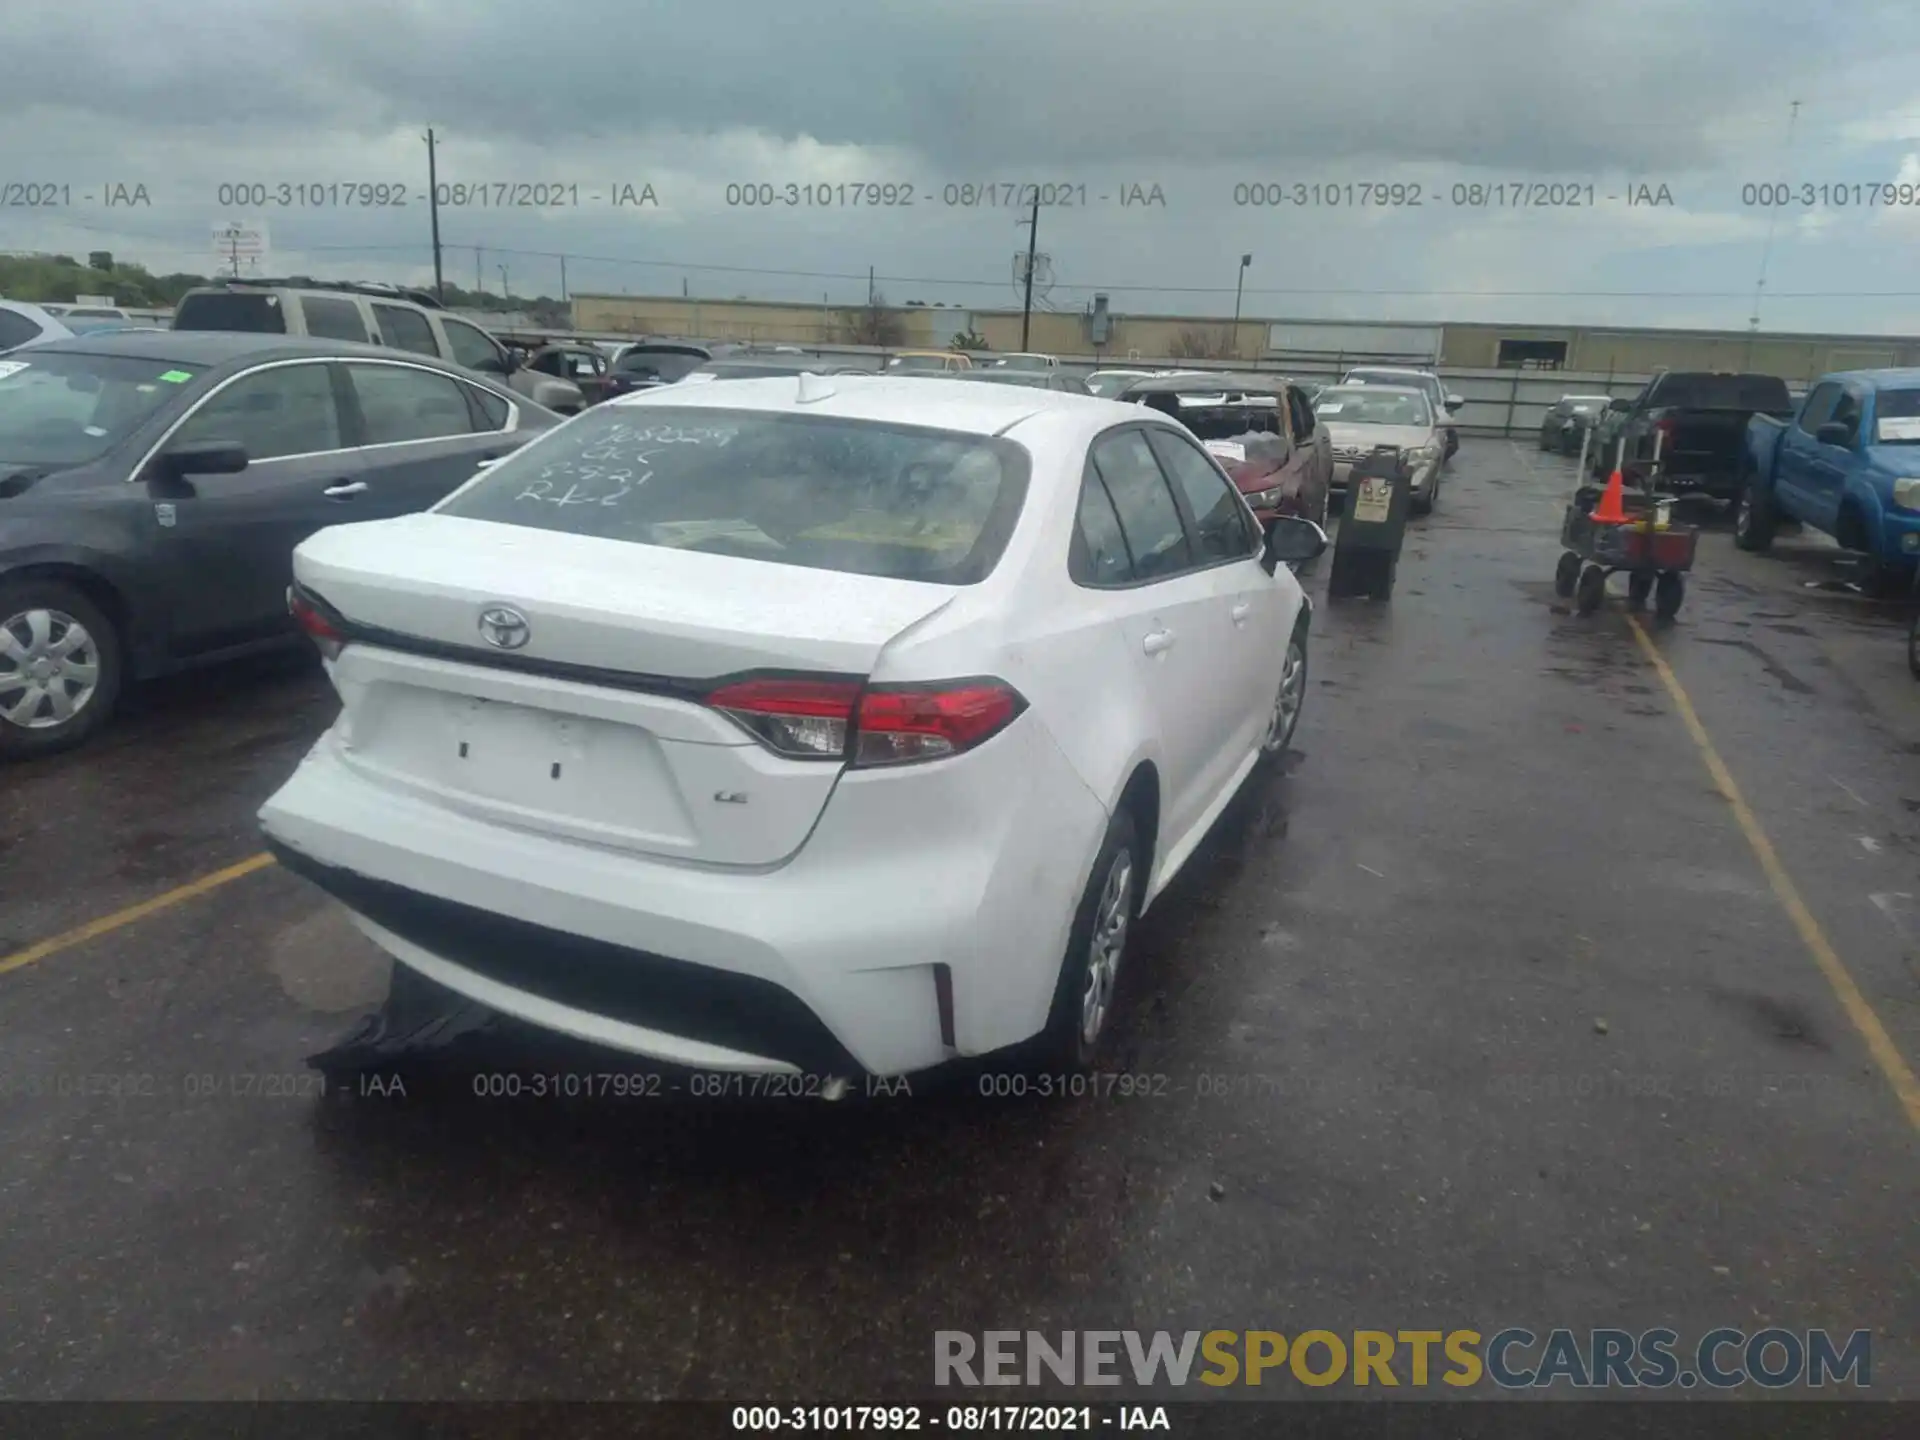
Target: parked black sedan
(153, 487)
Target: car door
(1827, 464)
(1251, 647)
(1312, 459)
(402, 328)
(1175, 619)
(227, 549)
(419, 434)
(1792, 466)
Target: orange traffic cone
(1612, 508)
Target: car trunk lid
(574, 707)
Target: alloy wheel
(1110, 921)
(1288, 699)
(49, 668)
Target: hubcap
(49, 668)
(1287, 701)
(1110, 920)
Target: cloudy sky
(1213, 104)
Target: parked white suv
(370, 315)
(818, 725)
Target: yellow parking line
(1879, 1044)
(93, 929)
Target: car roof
(1381, 389)
(1220, 383)
(218, 347)
(957, 404)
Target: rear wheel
(1668, 596)
(1913, 645)
(1083, 999)
(1639, 587)
(1753, 515)
(1591, 590)
(1566, 574)
(59, 667)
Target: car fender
(142, 617)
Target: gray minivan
(369, 314)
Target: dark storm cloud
(1622, 84)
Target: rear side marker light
(869, 726)
(317, 621)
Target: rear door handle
(1241, 611)
(345, 489)
(1157, 641)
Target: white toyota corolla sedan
(812, 725)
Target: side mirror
(1291, 541)
(1620, 404)
(1834, 433)
(1454, 402)
(203, 457)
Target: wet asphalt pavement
(1484, 1014)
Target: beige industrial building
(1113, 339)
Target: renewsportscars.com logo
(1512, 1359)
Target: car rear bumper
(830, 963)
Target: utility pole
(433, 209)
(1766, 253)
(504, 290)
(479, 280)
(1239, 280)
(563, 279)
(870, 287)
(1033, 238)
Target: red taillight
(315, 623)
(887, 725)
(924, 722)
(807, 719)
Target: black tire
(1913, 645)
(1423, 504)
(1545, 443)
(1639, 587)
(1566, 574)
(1273, 746)
(1669, 594)
(65, 605)
(1590, 590)
(1064, 1045)
(1754, 516)
(1878, 580)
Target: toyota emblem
(505, 627)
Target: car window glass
(1302, 414)
(1214, 502)
(16, 329)
(1155, 536)
(1099, 555)
(1819, 406)
(1846, 411)
(494, 409)
(333, 318)
(287, 410)
(398, 402)
(405, 329)
(471, 347)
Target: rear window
(58, 408)
(894, 501)
(665, 365)
(222, 310)
(1723, 392)
(1896, 417)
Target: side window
(1099, 553)
(1219, 525)
(471, 347)
(286, 410)
(333, 318)
(1155, 536)
(1819, 406)
(1302, 414)
(491, 410)
(399, 402)
(405, 329)
(1846, 411)
(16, 329)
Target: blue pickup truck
(1847, 464)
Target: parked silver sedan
(1360, 418)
